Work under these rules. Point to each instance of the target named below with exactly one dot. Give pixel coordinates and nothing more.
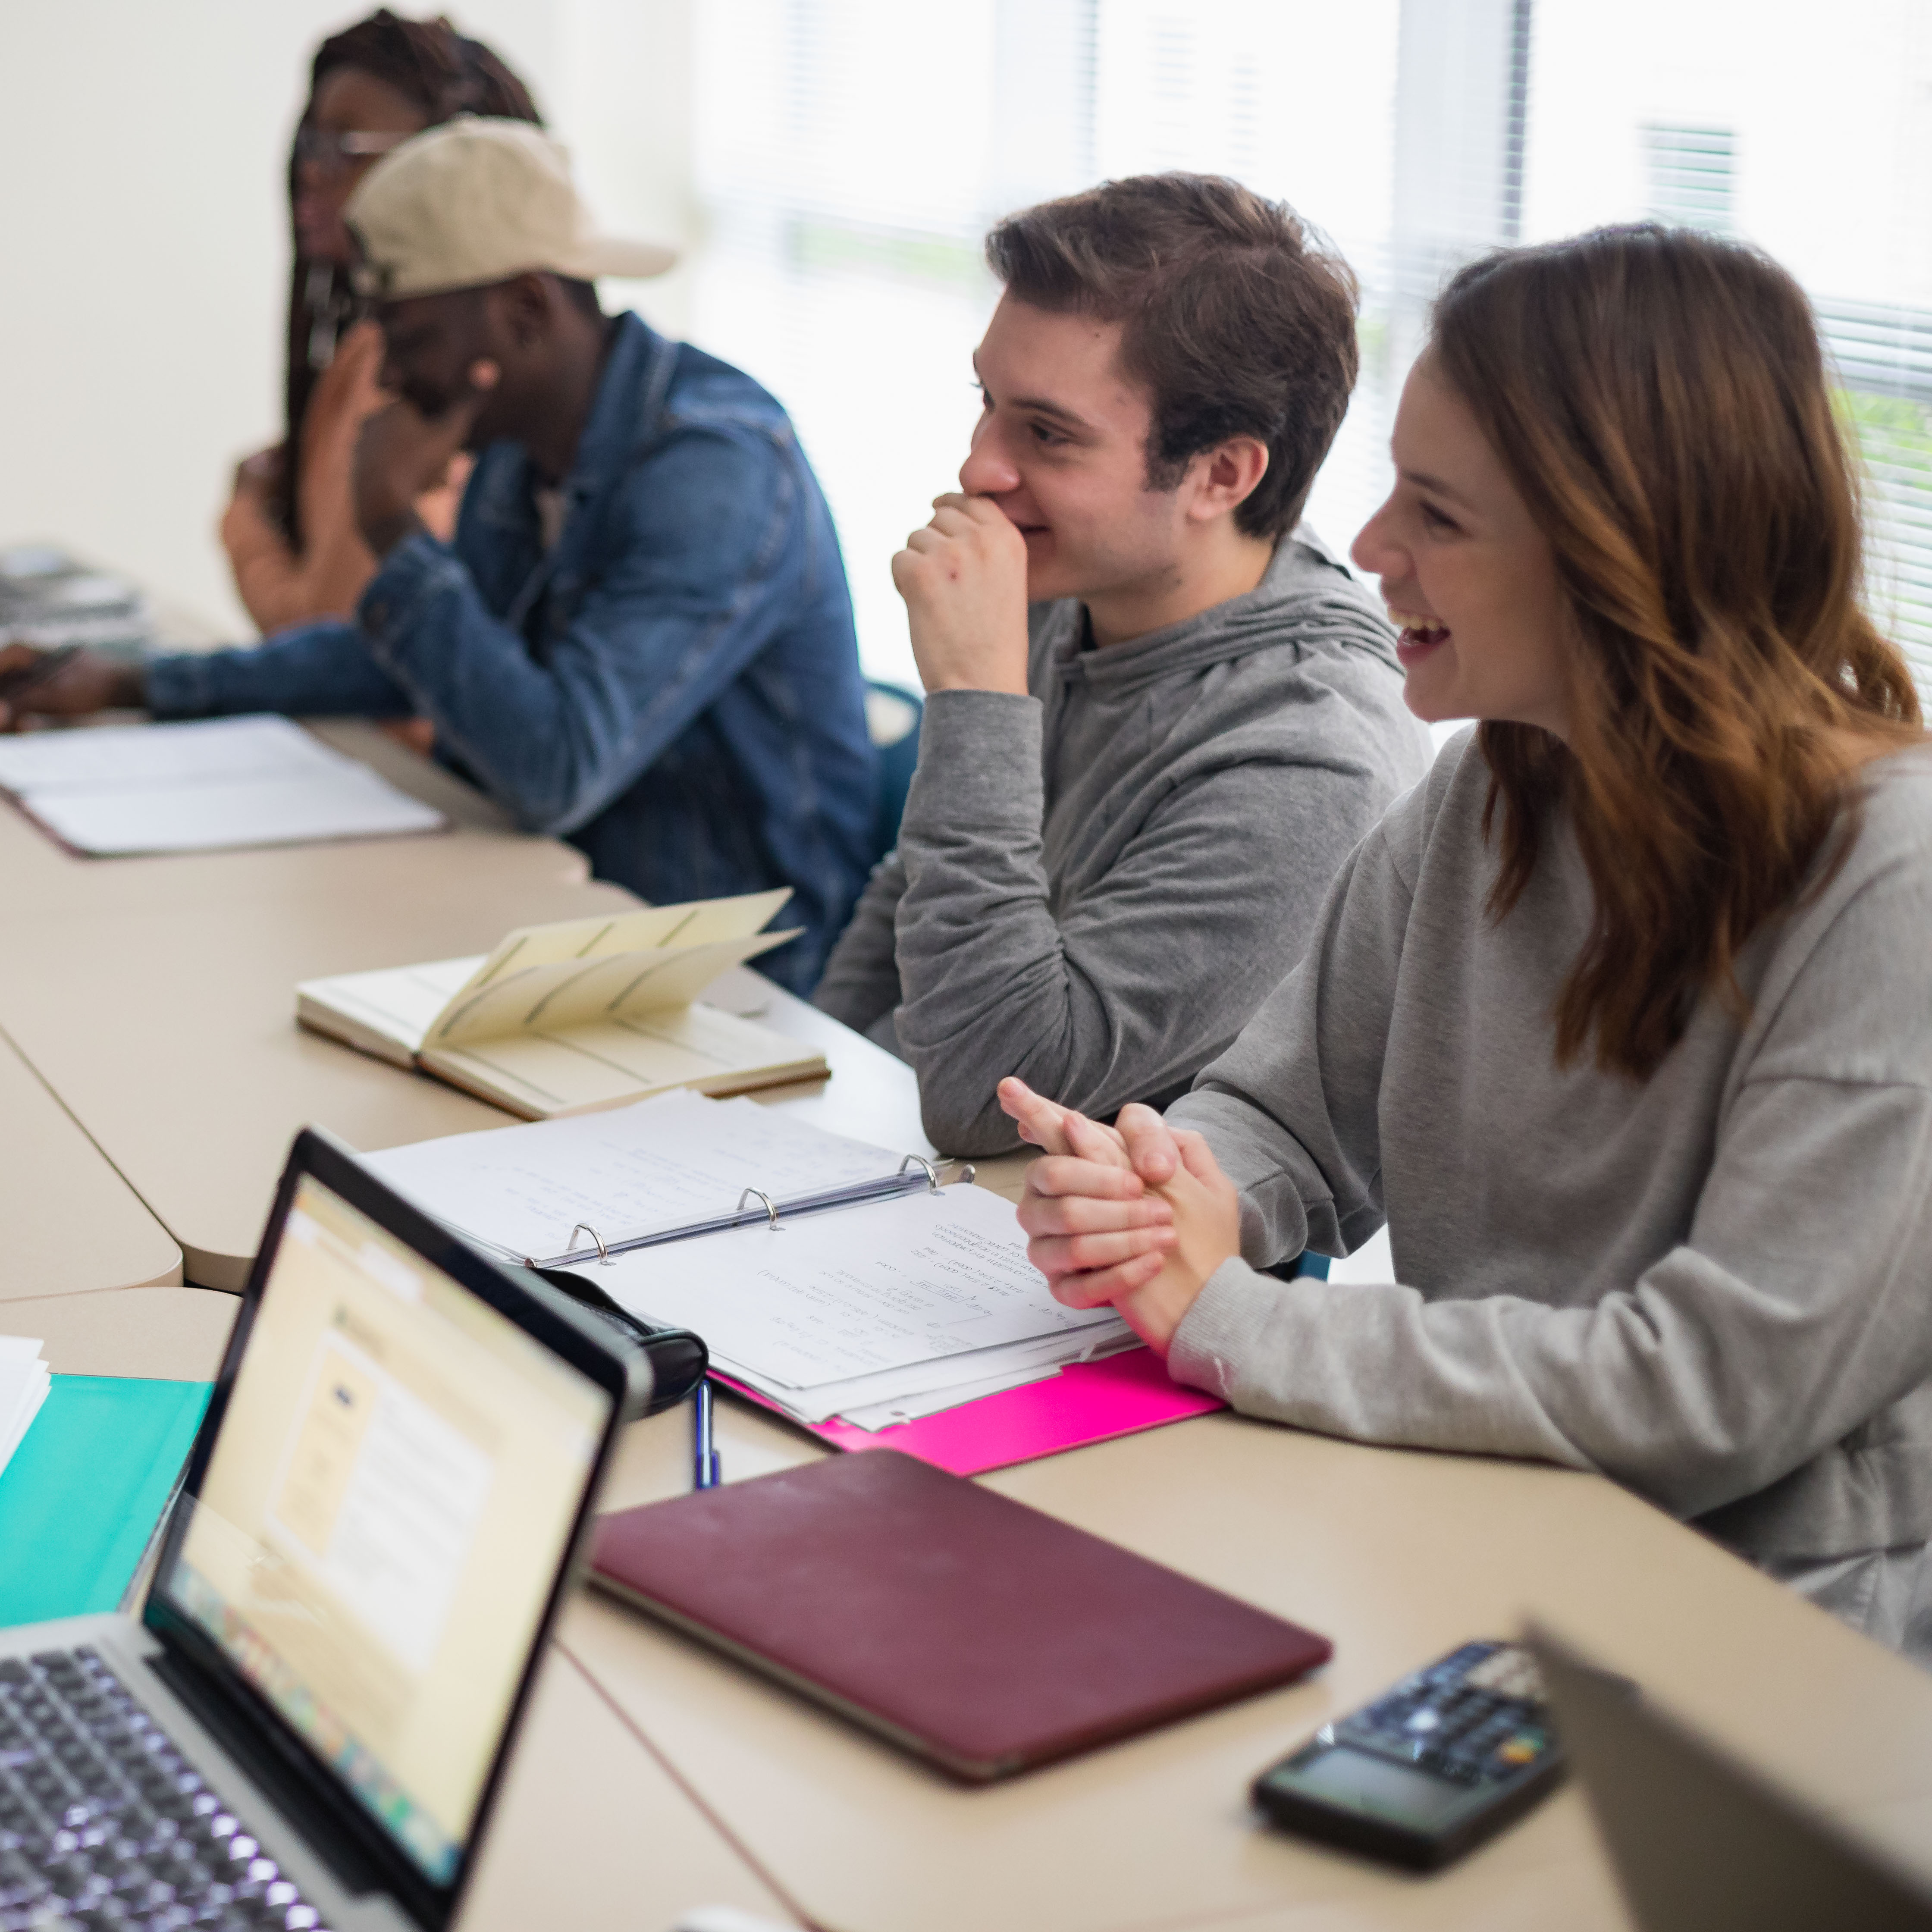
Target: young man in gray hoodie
(1159, 714)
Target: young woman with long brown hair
(1622, 1019)
(289, 531)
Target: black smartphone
(1437, 1764)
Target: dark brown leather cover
(964, 1627)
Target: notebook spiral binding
(771, 1212)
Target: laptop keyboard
(104, 1824)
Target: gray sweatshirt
(1095, 885)
(1714, 1285)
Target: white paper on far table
(212, 785)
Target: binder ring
(603, 1252)
(918, 1161)
(759, 1193)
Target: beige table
(1399, 1555)
(170, 1334)
(155, 997)
(165, 1022)
(870, 1095)
(592, 1830)
(72, 1225)
(592, 1833)
(1396, 1554)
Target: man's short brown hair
(1235, 318)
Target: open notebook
(582, 1015)
(836, 1283)
(215, 784)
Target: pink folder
(1087, 1402)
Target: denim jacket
(675, 687)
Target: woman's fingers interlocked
(1056, 1130)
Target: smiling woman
(1617, 1018)
(1469, 578)
(1689, 476)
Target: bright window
(852, 154)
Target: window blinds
(851, 154)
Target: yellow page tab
(570, 940)
(567, 993)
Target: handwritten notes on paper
(890, 1307)
(849, 1293)
(662, 1163)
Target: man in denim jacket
(641, 638)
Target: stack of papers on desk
(23, 1387)
(215, 785)
(874, 1313)
(50, 599)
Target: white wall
(144, 239)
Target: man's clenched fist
(964, 578)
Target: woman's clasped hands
(1138, 1214)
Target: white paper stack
(875, 1313)
(215, 784)
(23, 1387)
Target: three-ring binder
(915, 1171)
(766, 1199)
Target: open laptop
(1701, 1842)
(306, 1724)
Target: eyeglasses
(332, 154)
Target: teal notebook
(83, 1492)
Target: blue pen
(704, 1457)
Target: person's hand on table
(964, 579)
(402, 453)
(88, 681)
(418, 733)
(1138, 1214)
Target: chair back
(893, 715)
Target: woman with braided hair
(289, 531)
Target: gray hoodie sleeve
(1793, 1314)
(861, 982)
(1123, 992)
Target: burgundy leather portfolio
(969, 1629)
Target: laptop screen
(383, 1515)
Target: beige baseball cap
(476, 201)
